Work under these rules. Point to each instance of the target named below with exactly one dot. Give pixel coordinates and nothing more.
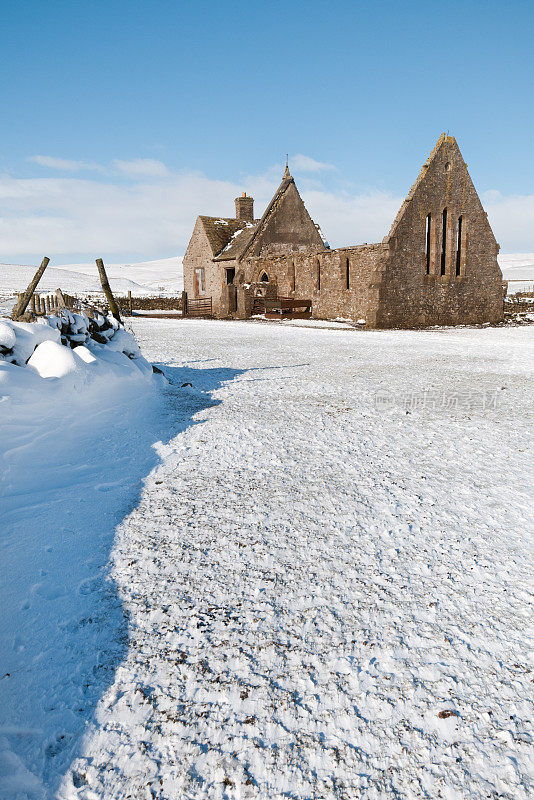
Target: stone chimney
(244, 208)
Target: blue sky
(134, 105)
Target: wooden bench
(288, 308)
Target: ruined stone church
(436, 266)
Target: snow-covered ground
(73, 451)
(142, 279)
(518, 269)
(324, 583)
(162, 275)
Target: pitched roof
(245, 242)
(242, 235)
(238, 242)
(220, 231)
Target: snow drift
(79, 420)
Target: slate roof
(220, 231)
(238, 243)
(231, 238)
(246, 242)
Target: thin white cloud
(352, 219)
(142, 168)
(302, 163)
(64, 164)
(150, 218)
(512, 220)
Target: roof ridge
(286, 182)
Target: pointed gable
(285, 226)
(444, 175)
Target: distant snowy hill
(166, 275)
(146, 277)
(518, 267)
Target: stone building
(436, 266)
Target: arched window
(427, 242)
(459, 247)
(347, 273)
(318, 277)
(264, 278)
(444, 242)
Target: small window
(230, 275)
(444, 242)
(428, 242)
(293, 276)
(264, 278)
(318, 280)
(347, 273)
(200, 282)
(459, 247)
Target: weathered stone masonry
(437, 266)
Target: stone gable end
(287, 229)
(442, 268)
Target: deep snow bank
(57, 360)
(79, 428)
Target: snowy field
(145, 278)
(73, 452)
(518, 269)
(321, 590)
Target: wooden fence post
(130, 303)
(22, 304)
(107, 290)
(184, 304)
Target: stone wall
(322, 278)
(199, 255)
(415, 293)
(407, 281)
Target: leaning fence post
(107, 290)
(22, 304)
(130, 303)
(184, 304)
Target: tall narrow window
(427, 242)
(347, 274)
(318, 275)
(444, 242)
(459, 247)
(293, 276)
(200, 282)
